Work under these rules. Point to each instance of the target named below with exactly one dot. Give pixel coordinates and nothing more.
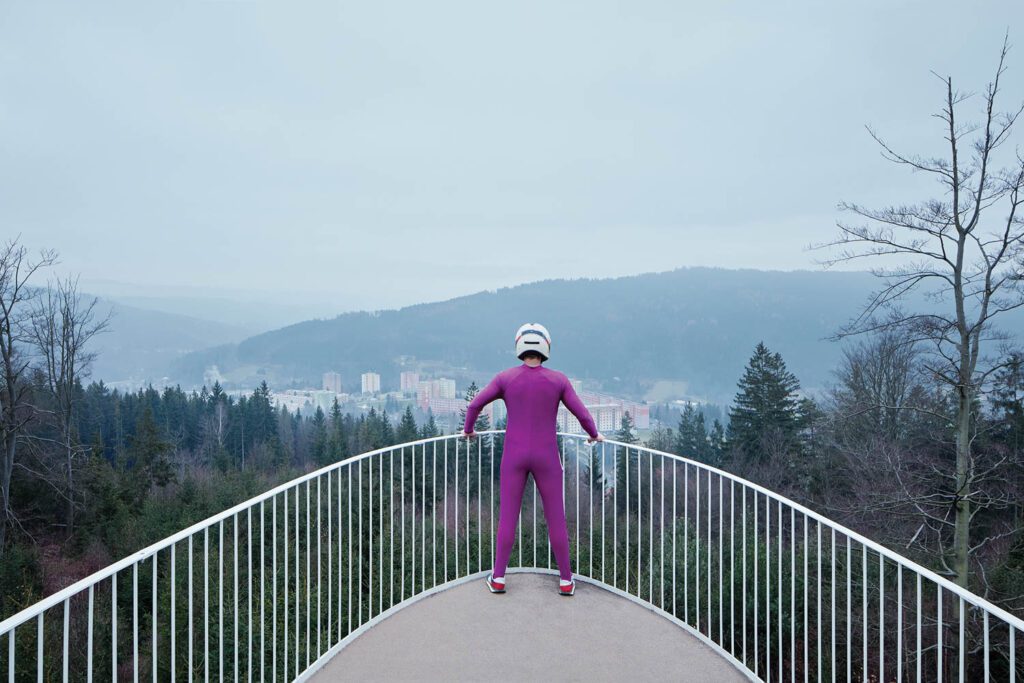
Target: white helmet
(533, 337)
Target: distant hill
(692, 329)
(252, 310)
(139, 345)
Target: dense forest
(150, 463)
(877, 454)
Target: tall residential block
(371, 382)
(435, 388)
(446, 387)
(332, 382)
(408, 381)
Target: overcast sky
(384, 153)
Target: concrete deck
(529, 633)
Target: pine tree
(691, 435)
(387, 430)
(483, 423)
(626, 427)
(149, 454)
(339, 432)
(693, 440)
(426, 431)
(1008, 403)
(407, 427)
(430, 428)
(217, 394)
(286, 433)
(716, 442)
(413, 455)
(475, 451)
(626, 457)
(263, 423)
(767, 406)
(372, 432)
(321, 447)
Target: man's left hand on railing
(469, 435)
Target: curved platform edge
(327, 656)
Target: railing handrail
(973, 598)
(111, 569)
(37, 608)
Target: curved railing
(271, 588)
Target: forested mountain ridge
(693, 325)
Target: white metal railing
(271, 588)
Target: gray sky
(384, 153)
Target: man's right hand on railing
(599, 437)
(469, 435)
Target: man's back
(531, 395)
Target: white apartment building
(446, 388)
(498, 412)
(332, 382)
(370, 382)
(606, 410)
(435, 388)
(408, 381)
(607, 417)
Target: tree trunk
(69, 452)
(6, 469)
(961, 534)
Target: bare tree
(879, 413)
(62, 325)
(17, 267)
(965, 251)
(877, 386)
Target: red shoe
(493, 586)
(567, 590)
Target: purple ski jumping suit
(531, 395)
